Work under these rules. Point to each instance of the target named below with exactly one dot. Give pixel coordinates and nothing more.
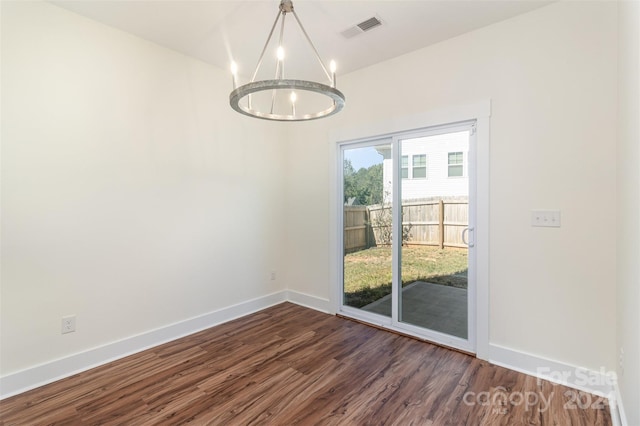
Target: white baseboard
(308, 301)
(600, 383)
(618, 416)
(49, 372)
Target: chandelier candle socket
(293, 103)
(333, 67)
(331, 99)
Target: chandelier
(280, 98)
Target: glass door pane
(367, 227)
(434, 194)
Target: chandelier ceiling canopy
(281, 98)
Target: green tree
(365, 186)
(349, 181)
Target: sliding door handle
(465, 234)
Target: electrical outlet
(273, 275)
(68, 324)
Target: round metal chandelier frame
(240, 98)
(264, 85)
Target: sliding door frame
(399, 128)
(394, 322)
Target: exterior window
(455, 164)
(405, 167)
(419, 166)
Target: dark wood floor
(291, 365)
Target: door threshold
(411, 336)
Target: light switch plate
(546, 218)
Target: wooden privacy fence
(356, 228)
(433, 223)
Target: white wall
(628, 226)
(551, 76)
(132, 195)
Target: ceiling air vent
(363, 26)
(369, 24)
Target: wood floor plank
(288, 365)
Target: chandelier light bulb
(234, 74)
(280, 53)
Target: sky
(363, 157)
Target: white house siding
(437, 182)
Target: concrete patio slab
(433, 306)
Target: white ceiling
(217, 31)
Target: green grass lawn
(367, 273)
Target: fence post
(441, 222)
(367, 222)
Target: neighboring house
(434, 166)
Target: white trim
(599, 383)
(52, 371)
(472, 250)
(335, 239)
(308, 301)
(396, 241)
(422, 120)
(618, 415)
(482, 212)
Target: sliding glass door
(367, 226)
(407, 233)
(434, 194)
